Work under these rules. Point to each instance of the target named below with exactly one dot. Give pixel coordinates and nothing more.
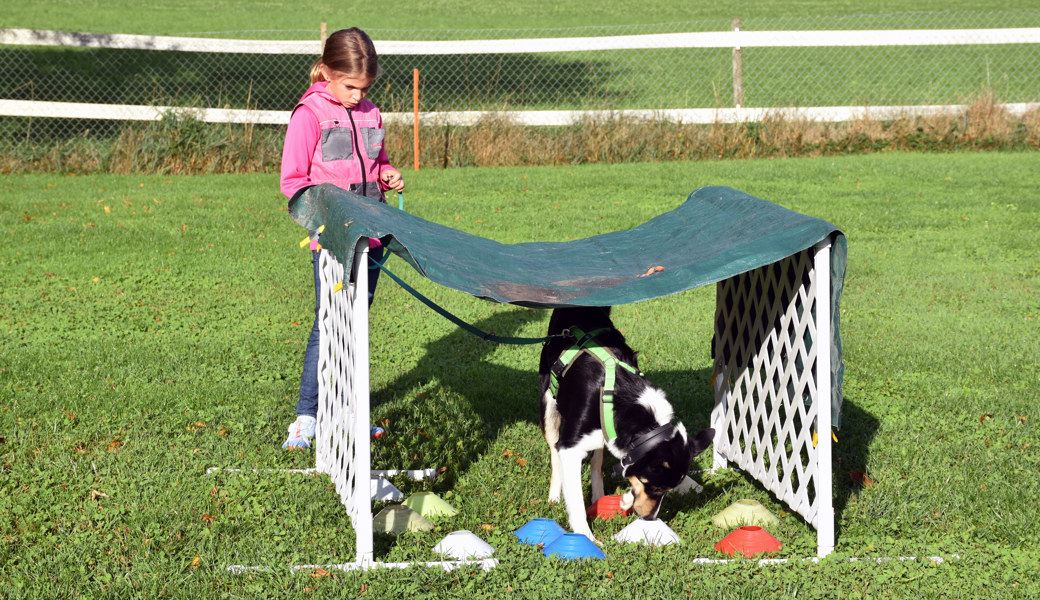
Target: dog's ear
(701, 442)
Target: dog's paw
(588, 533)
(628, 499)
(554, 498)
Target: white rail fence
(84, 80)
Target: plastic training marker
(648, 533)
(399, 519)
(573, 546)
(308, 241)
(463, 545)
(606, 508)
(381, 489)
(744, 512)
(429, 505)
(377, 432)
(688, 485)
(748, 540)
(859, 478)
(539, 531)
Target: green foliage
(184, 146)
(152, 327)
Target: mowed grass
(153, 327)
(199, 16)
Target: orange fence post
(415, 110)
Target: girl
(335, 136)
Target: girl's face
(348, 90)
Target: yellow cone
(744, 512)
(430, 505)
(398, 519)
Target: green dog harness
(586, 343)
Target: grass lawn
(153, 327)
(199, 16)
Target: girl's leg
(308, 402)
(301, 431)
(375, 254)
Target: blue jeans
(308, 403)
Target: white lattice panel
(342, 438)
(772, 382)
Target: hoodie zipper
(357, 149)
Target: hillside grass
(152, 327)
(198, 16)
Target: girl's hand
(392, 180)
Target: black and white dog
(592, 400)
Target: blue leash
(488, 337)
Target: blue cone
(571, 546)
(539, 531)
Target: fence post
(415, 111)
(738, 70)
(324, 35)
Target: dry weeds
(184, 146)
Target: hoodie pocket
(336, 144)
(373, 140)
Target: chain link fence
(581, 80)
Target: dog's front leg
(551, 431)
(596, 475)
(574, 500)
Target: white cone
(648, 533)
(687, 485)
(381, 489)
(463, 545)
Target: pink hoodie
(328, 143)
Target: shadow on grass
(465, 398)
(470, 400)
(858, 428)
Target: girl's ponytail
(316, 74)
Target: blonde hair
(347, 51)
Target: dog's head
(659, 462)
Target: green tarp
(718, 232)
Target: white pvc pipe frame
(352, 410)
(824, 474)
(357, 405)
(362, 515)
(824, 481)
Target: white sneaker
(301, 433)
